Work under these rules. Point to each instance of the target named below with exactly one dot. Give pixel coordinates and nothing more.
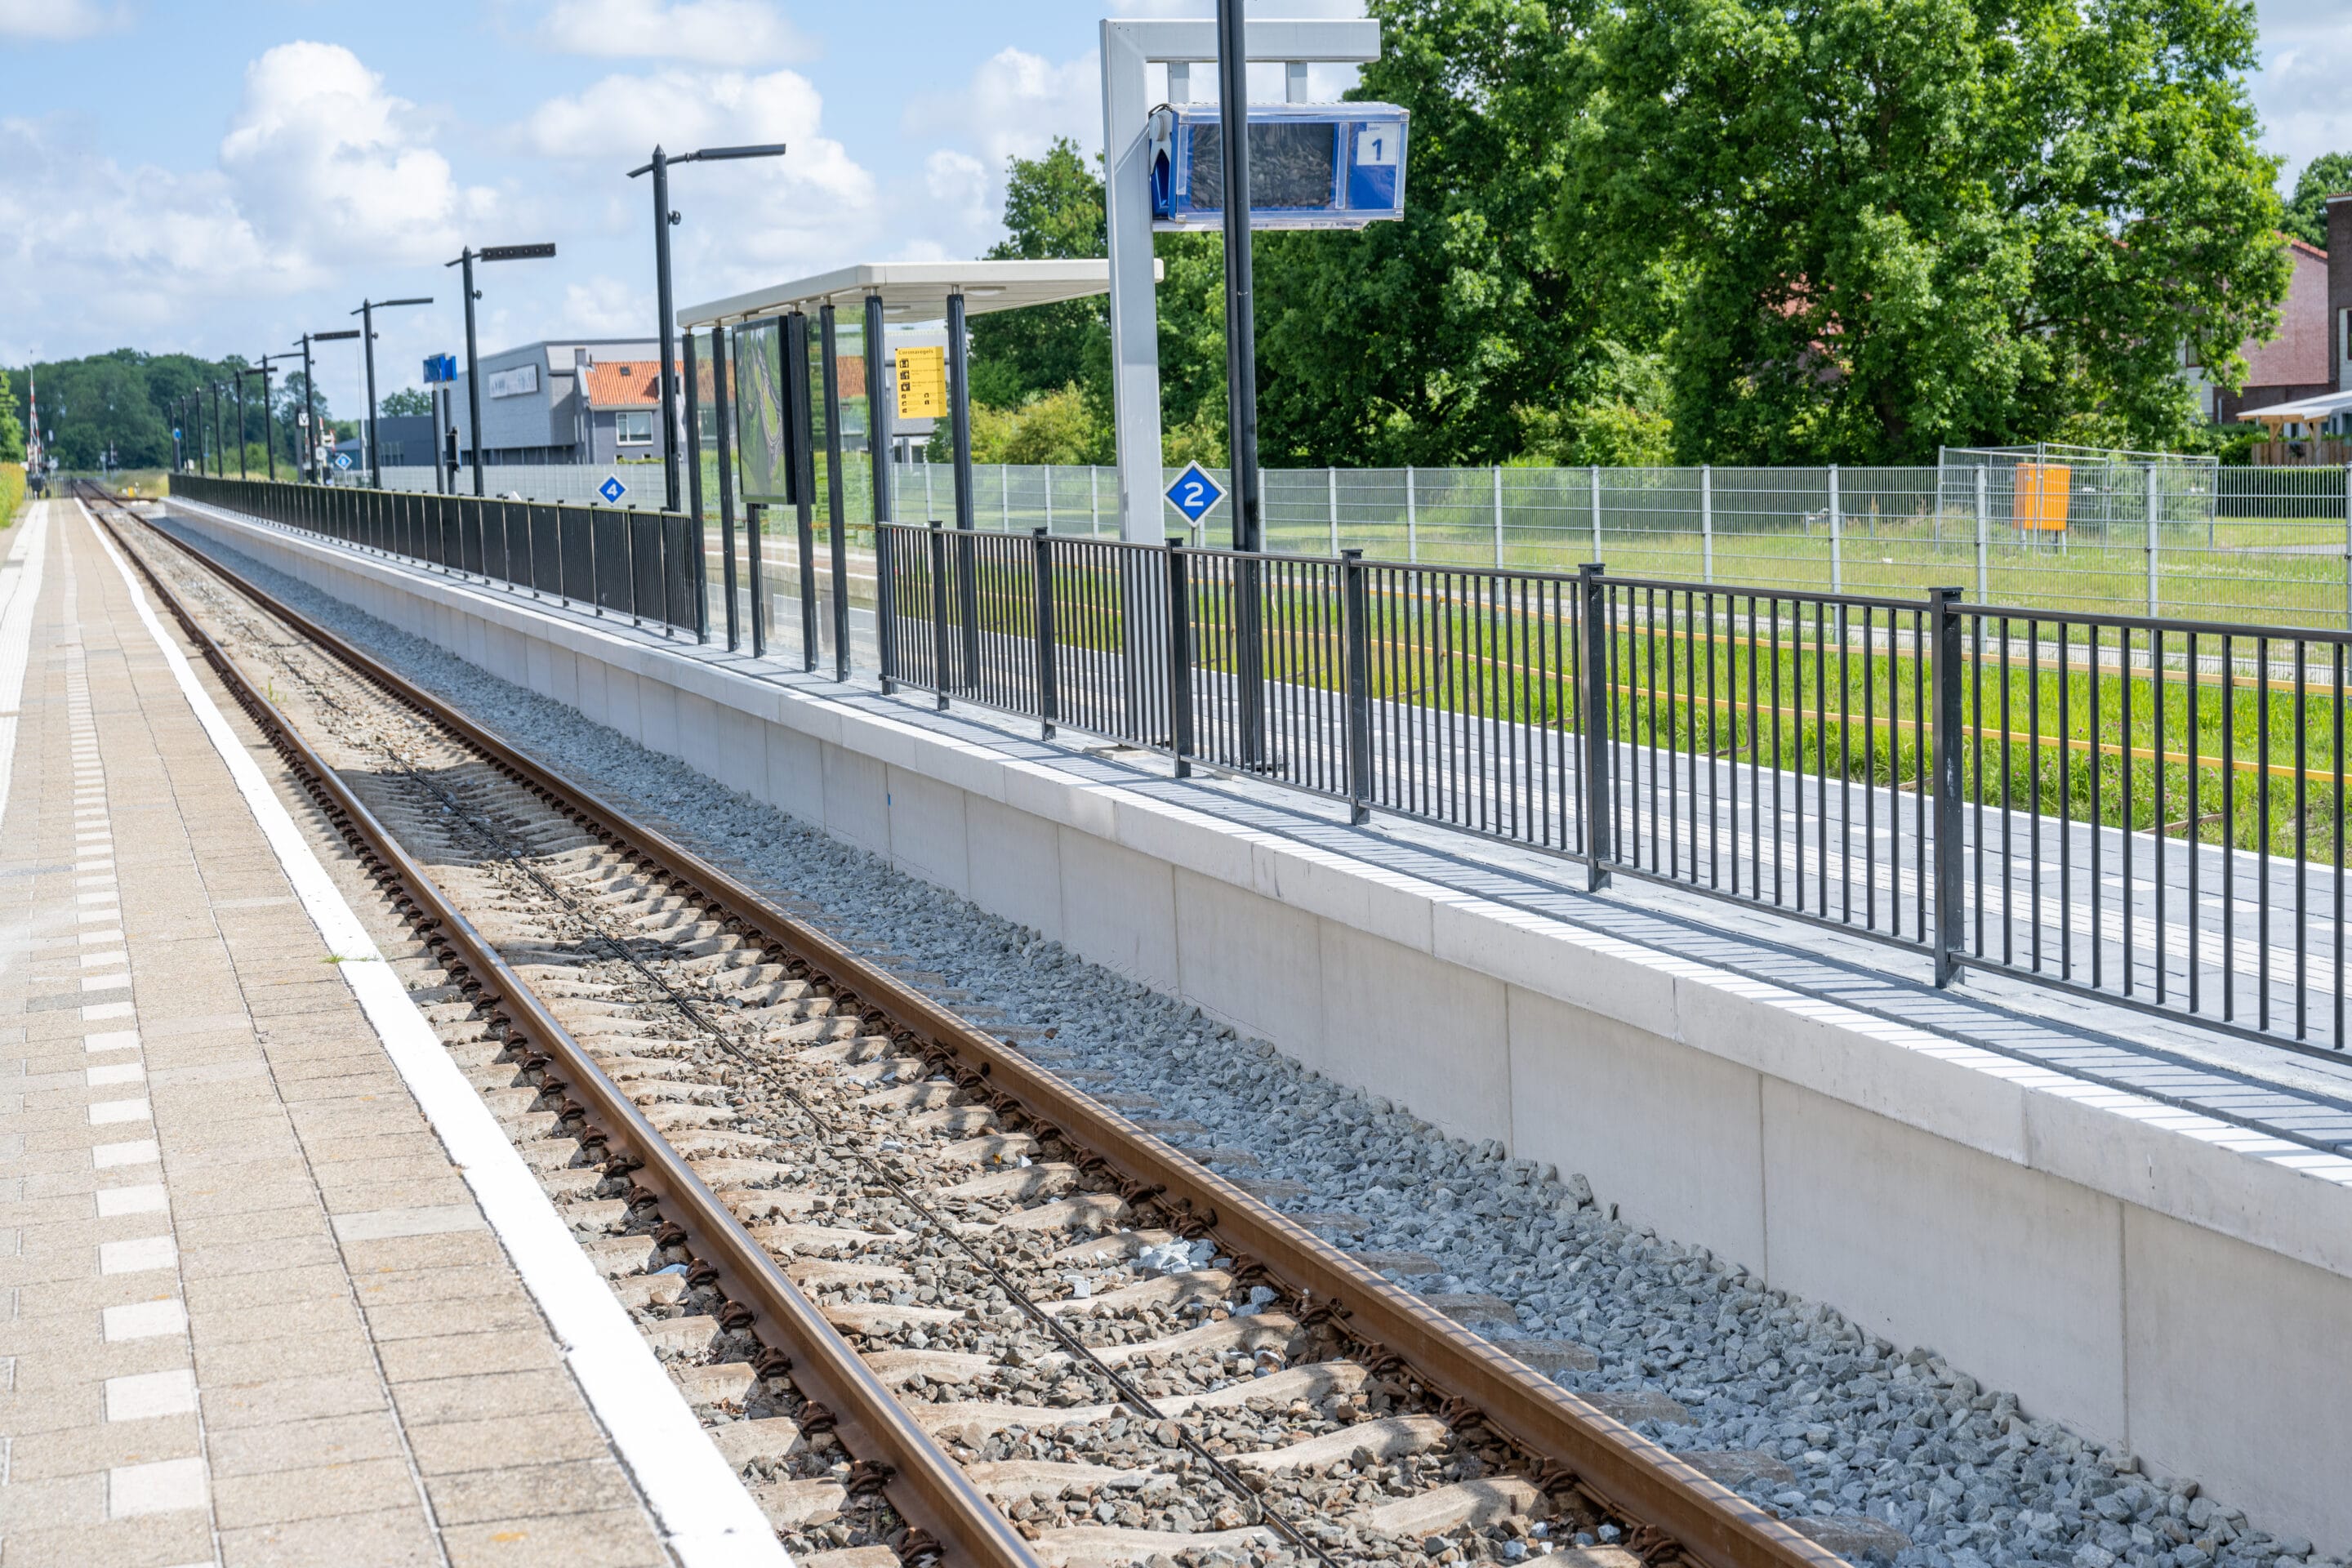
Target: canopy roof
(2308, 410)
(915, 291)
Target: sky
(219, 178)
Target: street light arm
(712, 155)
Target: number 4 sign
(1193, 493)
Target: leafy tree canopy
(2329, 174)
(12, 429)
(408, 400)
(1878, 225)
(129, 401)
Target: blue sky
(219, 178)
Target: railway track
(934, 1302)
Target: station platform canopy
(917, 291)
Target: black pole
(268, 413)
(308, 424)
(375, 446)
(1240, 311)
(721, 416)
(878, 399)
(473, 374)
(960, 406)
(798, 453)
(699, 574)
(239, 389)
(833, 499)
(663, 218)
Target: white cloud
(745, 222)
(1019, 102)
(327, 163)
(56, 20)
(2306, 57)
(607, 307)
(712, 32)
(959, 184)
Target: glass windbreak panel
(1292, 163)
(759, 387)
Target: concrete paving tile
(293, 1399)
(501, 1441)
(297, 1283)
(288, 1356)
(28, 1411)
(527, 1491)
(394, 1538)
(452, 1249)
(467, 1355)
(272, 1320)
(291, 1444)
(155, 1540)
(223, 1259)
(393, 1321)
(89, 1450)
(420, 1189)
(480, 1398)
(470, 1282)
(73, 1369)
(326, 1491)
(57, 1502)
(619, 1539)
(207, 1229)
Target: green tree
(12, 429)
(1453, 335)
(1885, 225)
(1053, 210)
(2329, 174)
(408, 400)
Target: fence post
(1984, 541)
(1049, 497)
(1331, 482)
(885, 609)
(2348, 544)
(1594, 722)
(1498, 516)
(1094, 501)
(941, 663)
(1411, 519)
(1706, 522)
(930, 509)
(1048, 683)
(1004, 496)
(1837, 536)
(2151, 540)
(1593, 474)
(1952, 891)
(1180, 658)
(1353, 610)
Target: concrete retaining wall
(2150, 1276)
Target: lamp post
(270, 412)
(663, 217)
(473, 359)
(309, 387)
(366, 313)
(243, 373)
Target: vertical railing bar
(2263, 831)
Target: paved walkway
(249, 1311)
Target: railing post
(1411, 519)
(1595, 723)
(1094, 501)
(1498, 517)
(1354, 610)
(2151, 540)
(967, 600)
(1331, 482)
(1049, 699)
(1984, 540)
(1180, 658)
(942, 662)
(2348, 544)
(885, 609)
(1837, 536)
(1951, 889)
(1706, 522)
(1593, 473)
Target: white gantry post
(1498, 516)
(1984, 540)
(1837, 537)
(1595, 477)
(2152, 471)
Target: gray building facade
(534, 407)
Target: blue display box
(1312, 166)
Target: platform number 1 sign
(1194, 492)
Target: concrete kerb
(1531, 1002)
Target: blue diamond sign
(612, 489)
(1194, 492)
(342, 459)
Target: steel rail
(927, 1488)
(1573, 1446)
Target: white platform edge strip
(20, 591)
(706, 1515)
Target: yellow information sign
(922, 384)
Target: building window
(634, 427)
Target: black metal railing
(646, 565)
(2149, 812)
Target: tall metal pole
(1240, 311)
(834, 501)
(375, 448)
(473, 374)
(239, 391)
(308, 424)
(879, 397)
(663, 218)
(269, 441)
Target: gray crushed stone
(1864, 1431)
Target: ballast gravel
(1818, 1420)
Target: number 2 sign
(1194, 492)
